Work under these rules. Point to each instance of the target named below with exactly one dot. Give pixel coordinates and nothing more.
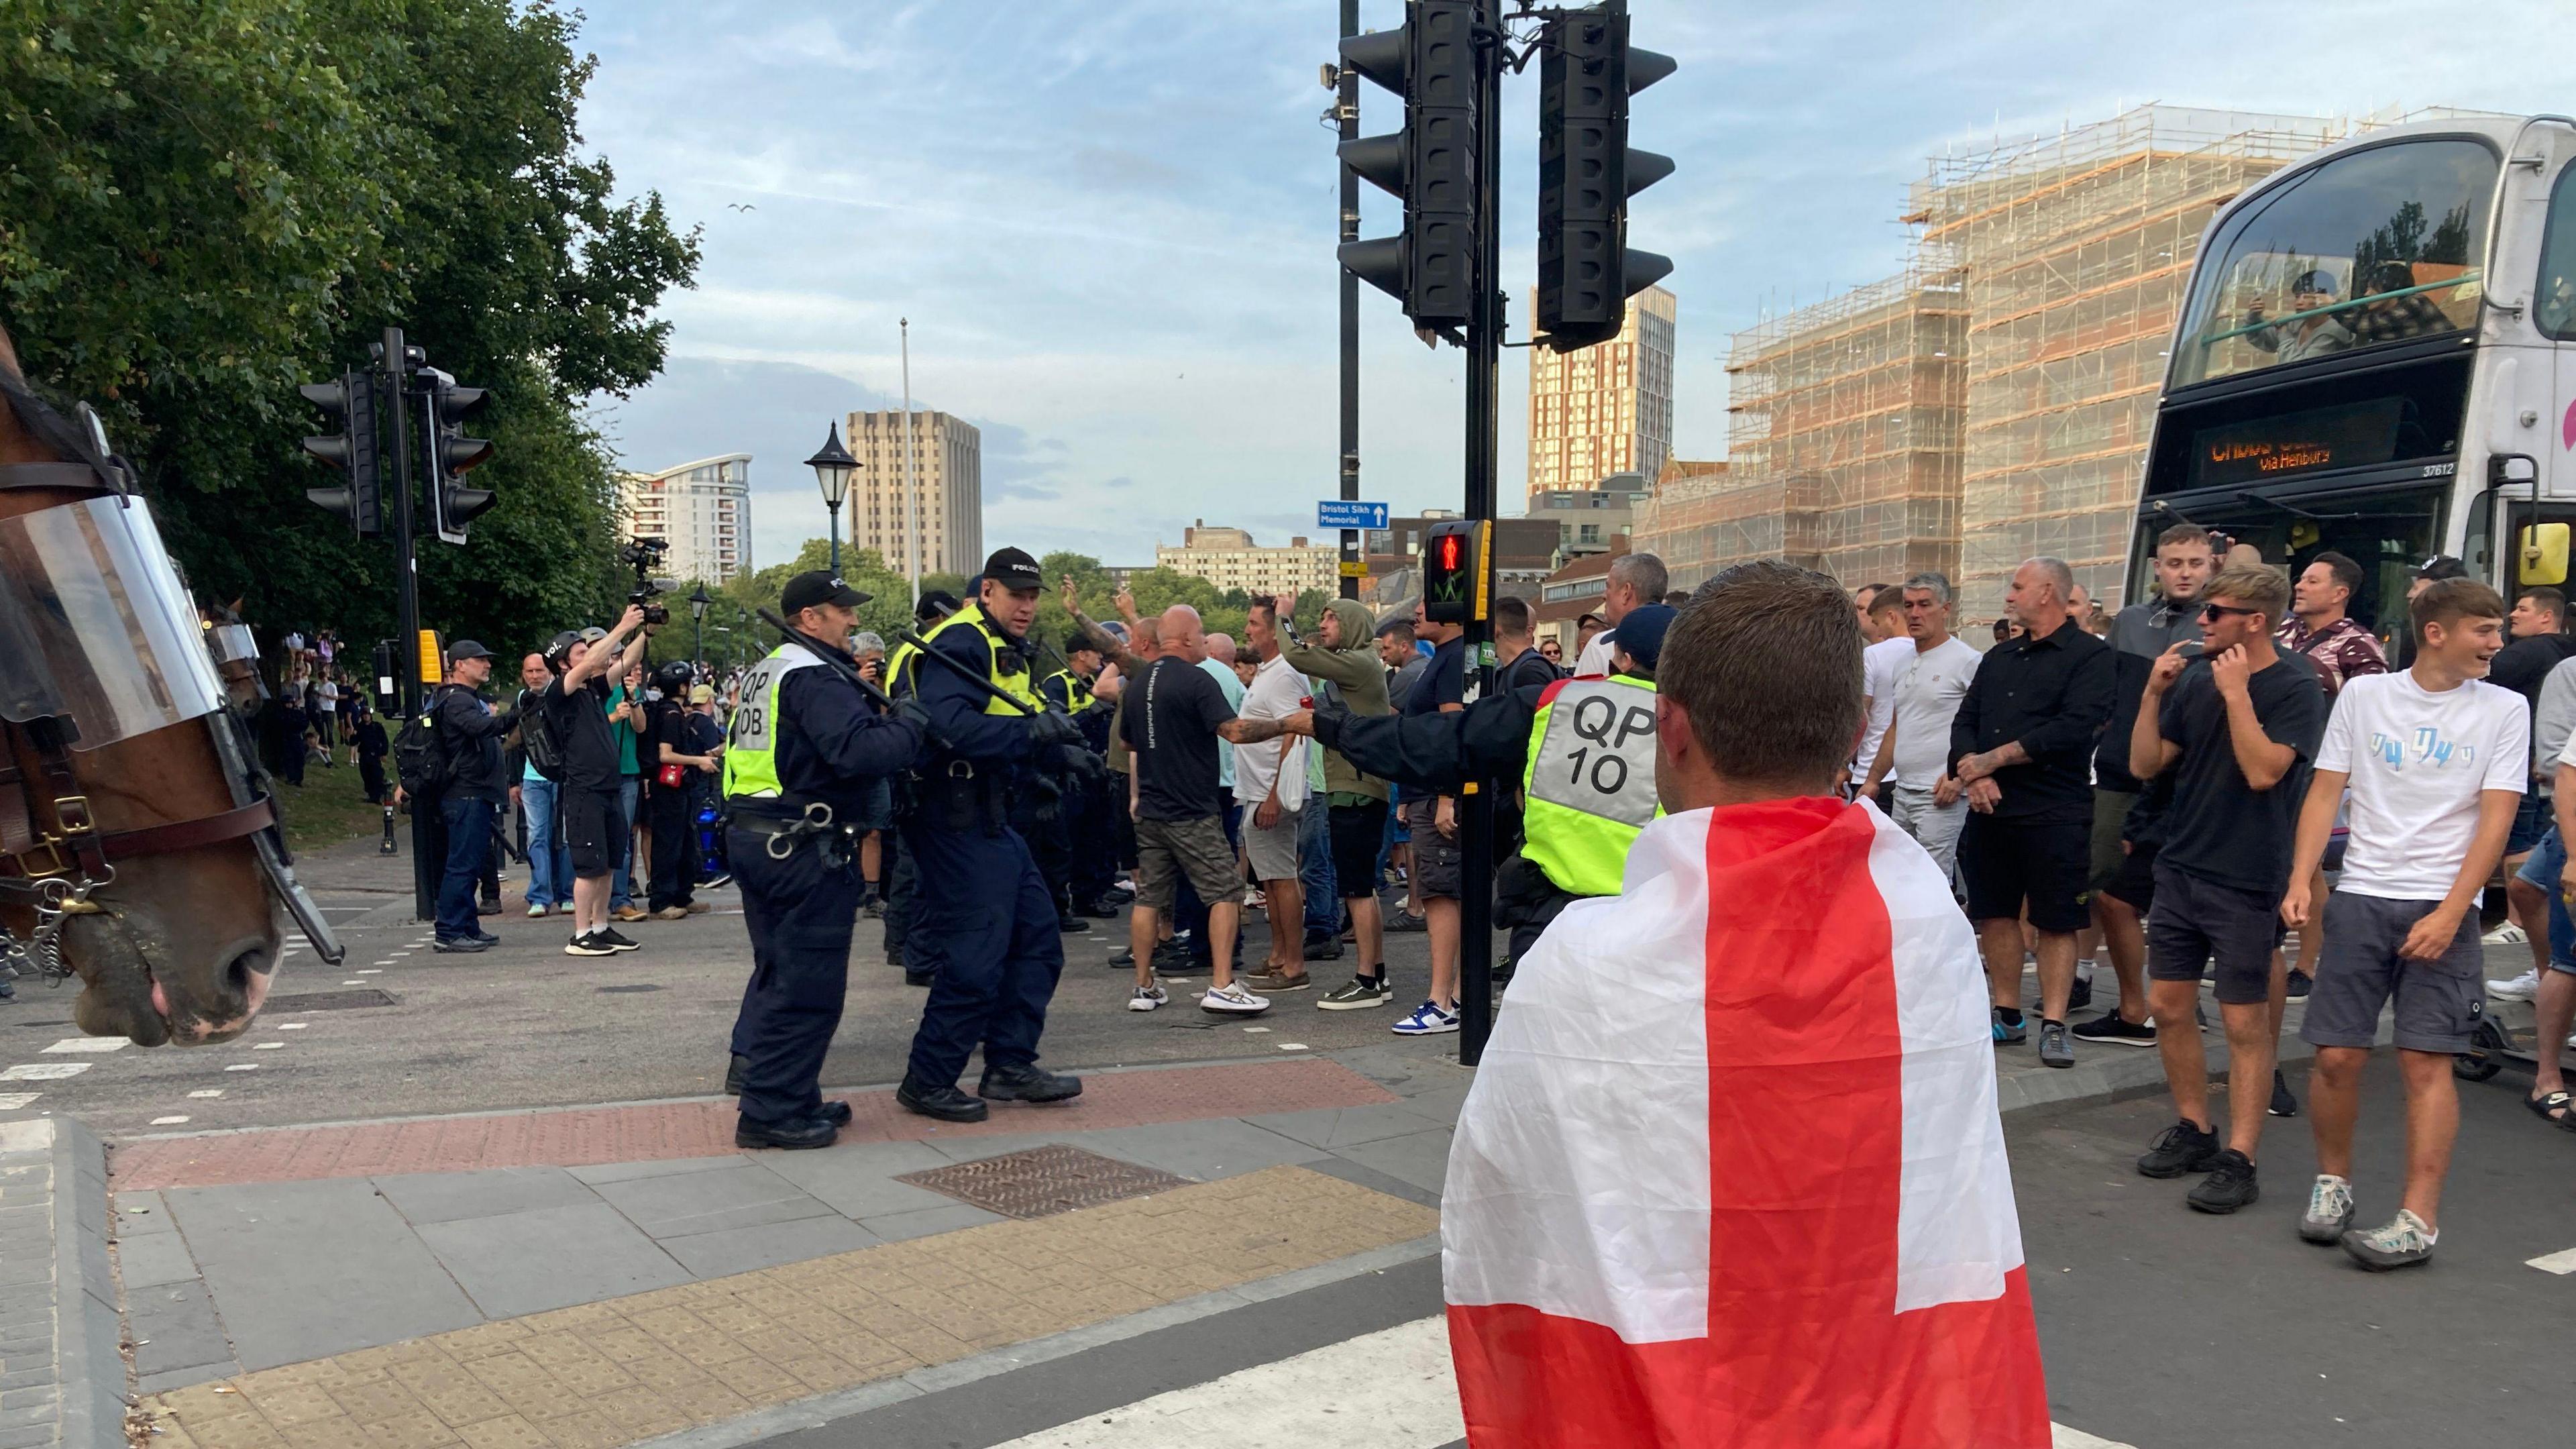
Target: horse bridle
(53, 856)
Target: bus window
(2553, 300)
(2379, 245)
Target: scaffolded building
(2076, 249)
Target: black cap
(2442, 567)
(1640, 635)
(1013, 569)
(466, 649)
(814, 588)
(935, 605)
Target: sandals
(2557, 1108)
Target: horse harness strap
(33, 849)
(79, 476)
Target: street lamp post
(698, 602)
(832, 468)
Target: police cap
(935, 605)
(816, 588)
(1640, 635)
(1013, 569)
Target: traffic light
(1431, 61)
(451, 454)
(1586, 173)
(351, 402)
(1454, 573)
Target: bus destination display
(2349, 435)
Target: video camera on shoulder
(641, 555)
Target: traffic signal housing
(1586, 173)
(1430, 164)
(452, 454)
(1456, 581)
(351, 402)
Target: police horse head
(139, 849)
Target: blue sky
(1111, 222)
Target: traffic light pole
(1348, 102)
(428, 859)
(1484, 358)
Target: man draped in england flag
(1731, 1172)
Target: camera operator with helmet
(676, 762)
(575, 709)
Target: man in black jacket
(478, 785)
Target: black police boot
(794, 1136)
(836, 1113)
(1071, 925)
(1030, 1083)
(944, 1102)
(733, 1076)
(917, 978)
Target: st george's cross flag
(1731, 1173)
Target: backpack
(421, 763)
(537, 738)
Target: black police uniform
(800, 889)
(1090, 831)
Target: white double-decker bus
(2377, 355)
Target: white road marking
(1257, 1030)
(268, 1046)
(369, 971)
(2561, 1263)
(43, 1071)
(388, 961)
(18, 1101)
(1292, 1046)
(168, 1121)
(208, 1092)
(1393, 1390)
(353, 983)
(293, 1025)
(89, 1044)
(241, 1067)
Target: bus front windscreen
(2375, 246)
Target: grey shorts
(1273, 852)
(1435, 856)
(2198, 921)
(2439, 1003)
(1166, 850)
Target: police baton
(831, 656)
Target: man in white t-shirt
(2436, 760)
(1913, 756)
(1635, 580)
(1270, 786)
(1880, 664)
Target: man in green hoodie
(1344, 663)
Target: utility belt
(790, 821)
(1524, 895)
(958, 796)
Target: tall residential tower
(1608, 408)
(948, 466)
(702, 509)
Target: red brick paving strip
(585, 1136)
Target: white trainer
(2520, 988)
(1234, 1001)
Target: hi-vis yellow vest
(1077, 695)
(1017, 683)
(751, 745)
(1589, 786)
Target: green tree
(205, 205)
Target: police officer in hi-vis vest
(1585, 752)
(988, 917)
(804, 744)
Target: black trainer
(2299, 984)
(2179, 1150)
(1030, 1083)
(733, 1075)
(608, 936)
(2229, 1186)
(2109, 1030)
(794, 1136)
(2081, 997)
(2283, 1104)
(944, 1102)
(1323, 946)
(1173, 959)
(460, 945)
(1071, 925)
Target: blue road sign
(1341, 513)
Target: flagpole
(911, 480)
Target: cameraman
(576, 711)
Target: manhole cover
(334, 1000)
(1044, 1180)
(624, 990)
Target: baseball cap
(1641, 633)
(935, 604)
(817, 587)
(703, 694)
(467, 649)
(2442, 566)
(1014, 569)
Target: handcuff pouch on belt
(958, 797)
(788, 824)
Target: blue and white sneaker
(1427, 1020)
(2006, 1032)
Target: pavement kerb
(822, 1409)
(77, 1301)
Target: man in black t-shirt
(1433, 822)
(667, 747)
(2237, 735)
(1174, 716)
(576, 712)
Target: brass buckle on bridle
(57, 850)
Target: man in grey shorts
(2436, 759)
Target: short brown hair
(1889, 600)
(2448, 601)
(1766, 665)
(2254, 586)
(1511, 615)
(2185, 533)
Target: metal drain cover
(333, 1000)
(1043, 1181)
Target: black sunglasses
(2220, 611)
